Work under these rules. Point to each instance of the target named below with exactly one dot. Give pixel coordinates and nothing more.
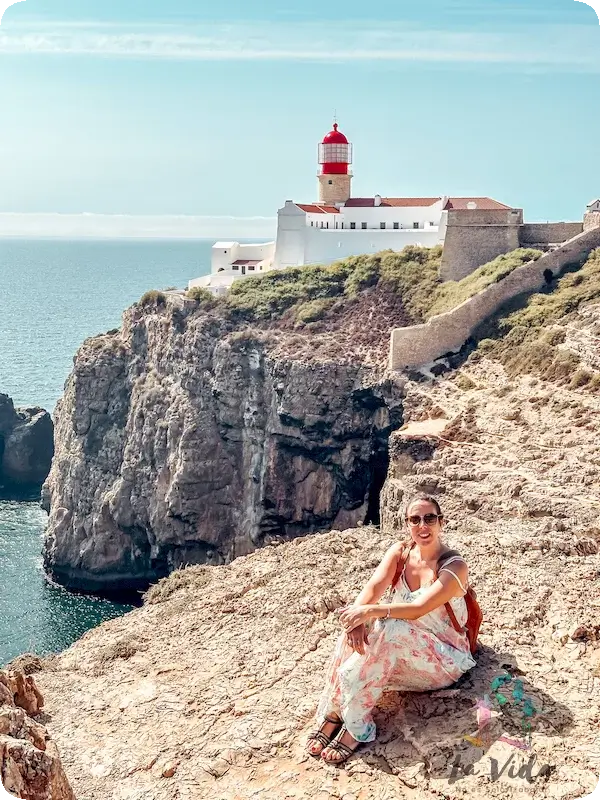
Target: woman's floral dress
(404, 655)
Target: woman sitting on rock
(413, 645)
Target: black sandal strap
(319, 736)
(343, 749)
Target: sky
(197, 115)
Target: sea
(54, 294)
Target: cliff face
(182, 441)
(209, 690)
(26, 447)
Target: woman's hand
(357, 639)
(354, 616)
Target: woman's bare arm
(381, 578)
(440, 592)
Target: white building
(338, 225)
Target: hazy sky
(137, 107)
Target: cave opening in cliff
(379, 464)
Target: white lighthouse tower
(335, 157)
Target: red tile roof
(313, 208)
(243, 261)
(455, 203)
(483, 203)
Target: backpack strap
(446, 558)
(400, 564)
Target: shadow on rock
(425, 737)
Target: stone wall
(334, 188)
(591, 220)
(476, 237)
(420, 344)
(548, 233)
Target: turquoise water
(54, 295)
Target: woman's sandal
(342, 749)
(322, 738)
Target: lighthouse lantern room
(335, 157)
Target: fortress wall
(420, 344)
(591, 220)
(548, 233)
(476, 237)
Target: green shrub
(269, 296)
(453, 293)
(366, 273)
(313, 310)
(202, 296)
(526, 335)
(153, 297)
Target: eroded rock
(30, 767)
(180, 443)
(26, 447)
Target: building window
(311, 224)
(353, 225)
(342, 226)
(363, 225)
(416, 225)
(321, 223)
(326, 224)
(432, 224)
(234, 266)
(382, 225)
(396, 225)
(330, 183)
(251, 268)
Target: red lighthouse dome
(335, 136)
(335, 153)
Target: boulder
(26, 446)
(30, 767)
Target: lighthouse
(335, 157)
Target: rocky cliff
(26, 447)
(30, 767)
(183, 440)
(209, 689)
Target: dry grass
(196, 577)
(153, 298)
(529, 338)
(452, 293)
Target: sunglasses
(427, 519)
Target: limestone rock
(178, 442)
(26, 447)
(30, 767)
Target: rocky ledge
(26, 448)
(209, 689)
(182, 440)
(30, 767)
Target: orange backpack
(474, 613)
